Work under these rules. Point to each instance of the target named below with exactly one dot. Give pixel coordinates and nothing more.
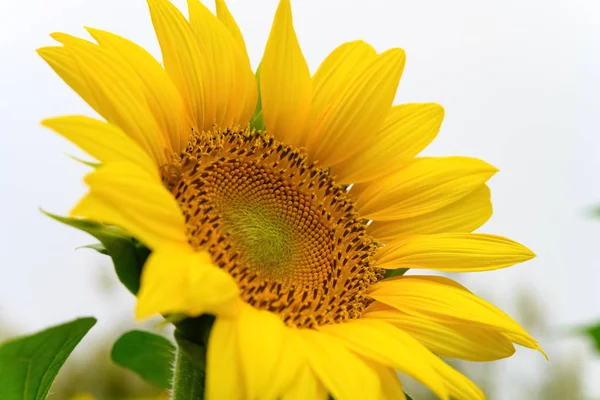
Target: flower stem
(191, 337)
(188, 377)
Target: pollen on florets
(278, 223)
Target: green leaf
(593, 332)
(394, 272)
(257, 122)
(408, 397)
(28, 365)
(128, 255)
(150, 356)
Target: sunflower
(286, 207)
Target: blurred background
(519, 81)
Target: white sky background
(519, 80)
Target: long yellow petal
(177, 279)
(464, 341)
(163, 98)
(345, 376)
(293, 366)
(464, 215)
(391, 387)
(118, 93)
(232, 78)
(458, 385)
(441, 299)
(102, 140)
(359, 110)
(408, 129)
(339, 69)
(285, 84)
(184, 61)
(263, 340)
(453, 252)
(384, 344)
(227, 19)
(61, 61)
(423, 186)
(305, 386)
(126, 195)
(224, 378)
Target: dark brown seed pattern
(278, 223)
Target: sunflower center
(278, 224)
(264, 239)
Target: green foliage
(28, 365)
(127, 254)
(257, 122)
(150, 356)
(389, 273)
(593, 332)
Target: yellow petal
(391, 387)
(285, 84)
(263, 338)
(61, 61)
(407, 130)
(458, 385)
(102, 140)
(464, 341)
(453, 384)
(227, 19)
(464, 215)
(339, 69)
(178, 279)
(125, 195)
(453, 252)
(233, 81)
(224, 378)
(118, 94)
(163, 98)
(184, 61)
(423, 186)
(384, 344)
(441, 299)
(305, 386)
(344, 375)
(353, 117)
(293, 367)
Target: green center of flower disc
(263, 238)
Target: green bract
(128, 255)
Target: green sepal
(150, 356)
(99, 247)
(128, 255)
(389, 273)
(29, 364)
(84, 162)
(257, 122)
